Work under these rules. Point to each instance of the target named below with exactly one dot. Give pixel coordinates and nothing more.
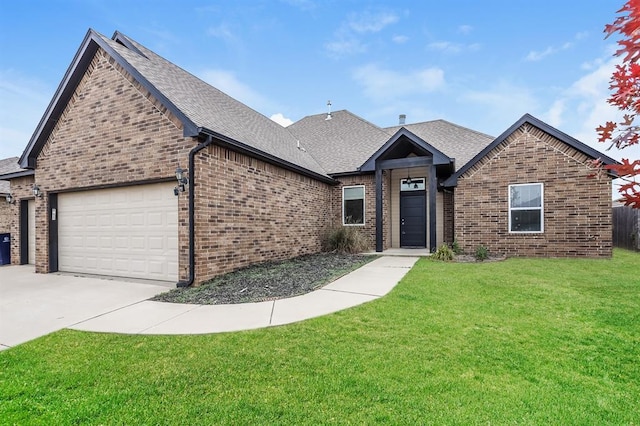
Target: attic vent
(402, 119)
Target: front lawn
(523, 341)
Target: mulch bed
(269, 281)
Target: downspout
(192, 207)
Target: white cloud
(221, 31)
(383, 84)
(22, 104)
(227, 82)
(503, 103)
(347, 39)
(400, 39)
(451, 47)
(281, 119)
(368, 22)
(465, 29)
(345, 47)
(536, 55)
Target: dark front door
(413, 219)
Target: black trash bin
(5, 249)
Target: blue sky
(480, 64)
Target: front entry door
(413, 219)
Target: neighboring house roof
(341, 144)
(457, 142)
(202, 108)
(9, 168)
(528, 118)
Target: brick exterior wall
(369, 228)
(111, 133)
(577, 210)
(114, 133)
(21, 189)
(448, 216)
(5, 216)
(248, 211)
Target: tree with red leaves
(625, 87)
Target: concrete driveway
(32, 305)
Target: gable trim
(439, 158)
(72, 77)
(529, 119)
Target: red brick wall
(448, 208)
(369, 228)
(248, 211)
(111, 133)
(21, 189)
(577, 210)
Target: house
(139, 169)
(8, 167)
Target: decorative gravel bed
(269, 281)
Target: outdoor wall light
(182, 180)
(36, 191)
(10, 199)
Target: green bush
(456, 247)
(444, 253)
(482, 253)
(345, 239)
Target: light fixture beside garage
(36, 191)
(10, 199)
(182, 180)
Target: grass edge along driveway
(525, 341)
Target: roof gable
(529, 119)
(201, 108)
(340, 144)
(457, 142)
(397, 146)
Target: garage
(122, 232)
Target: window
(526, 208)
(353, 205)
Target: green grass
(523, 341)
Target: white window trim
(541, 208)
(364, 204)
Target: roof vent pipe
(328, 113)
(402, 119)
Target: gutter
(192, 207)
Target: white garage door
(122, 232)
(31, 232)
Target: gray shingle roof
(345, 142)
(209, 108)
(341, 144)
(457, 142)
(7, 166)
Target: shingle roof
(456, 141)
(8, 166)
(209, 108)
(346, 142)
(341, 144)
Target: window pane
(526, 196)
(355, 193)
(354, 212)
(526, 221)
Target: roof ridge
(152, 56)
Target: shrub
(482, 253)
(456, 247)
(444, 253)
(345, 239)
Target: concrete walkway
(367, 283)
